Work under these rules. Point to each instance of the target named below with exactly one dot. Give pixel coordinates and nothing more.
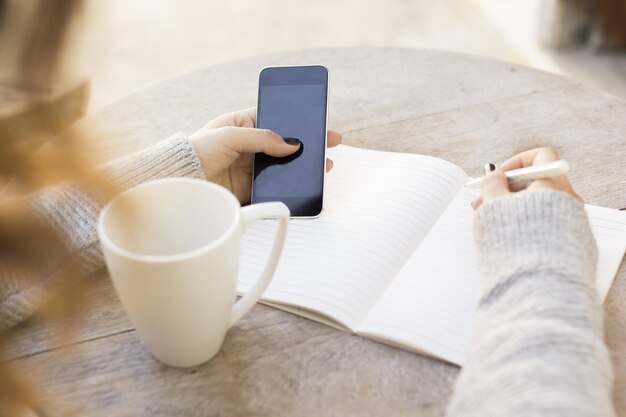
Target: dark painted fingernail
(489, 168)
(340, 139)
(292, 141)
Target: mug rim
(105, 240)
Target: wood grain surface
(465, 109)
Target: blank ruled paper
(378, 206)
(393, 257)
(609, 229)
(429, 307)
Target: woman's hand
(226, 147)
(495, 183)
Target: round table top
(465, 109)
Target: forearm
(537, 346)
(73, 212)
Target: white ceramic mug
(172, 249)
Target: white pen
(551, 169)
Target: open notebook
(392, 258)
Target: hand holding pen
(551, 175)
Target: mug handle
(248, 215)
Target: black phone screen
(292, 102)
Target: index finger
(529, 158)
(333, 138)
(249, 113)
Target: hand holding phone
(226, 147)
(293, 102)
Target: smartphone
(293, 102)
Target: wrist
(530, 229)
(198, 143)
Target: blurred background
(135, 42)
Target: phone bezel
(313, 216)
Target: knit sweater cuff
(536, 348)
(73, 213)
(549, 227)
(174, 157)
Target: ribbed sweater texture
(73, 213)
(537, 346)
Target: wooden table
(465, 109)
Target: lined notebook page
(609, 229)
(430, 304)
(429, 307)
(378, 207)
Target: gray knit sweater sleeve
(73, 213)
(537, 347)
